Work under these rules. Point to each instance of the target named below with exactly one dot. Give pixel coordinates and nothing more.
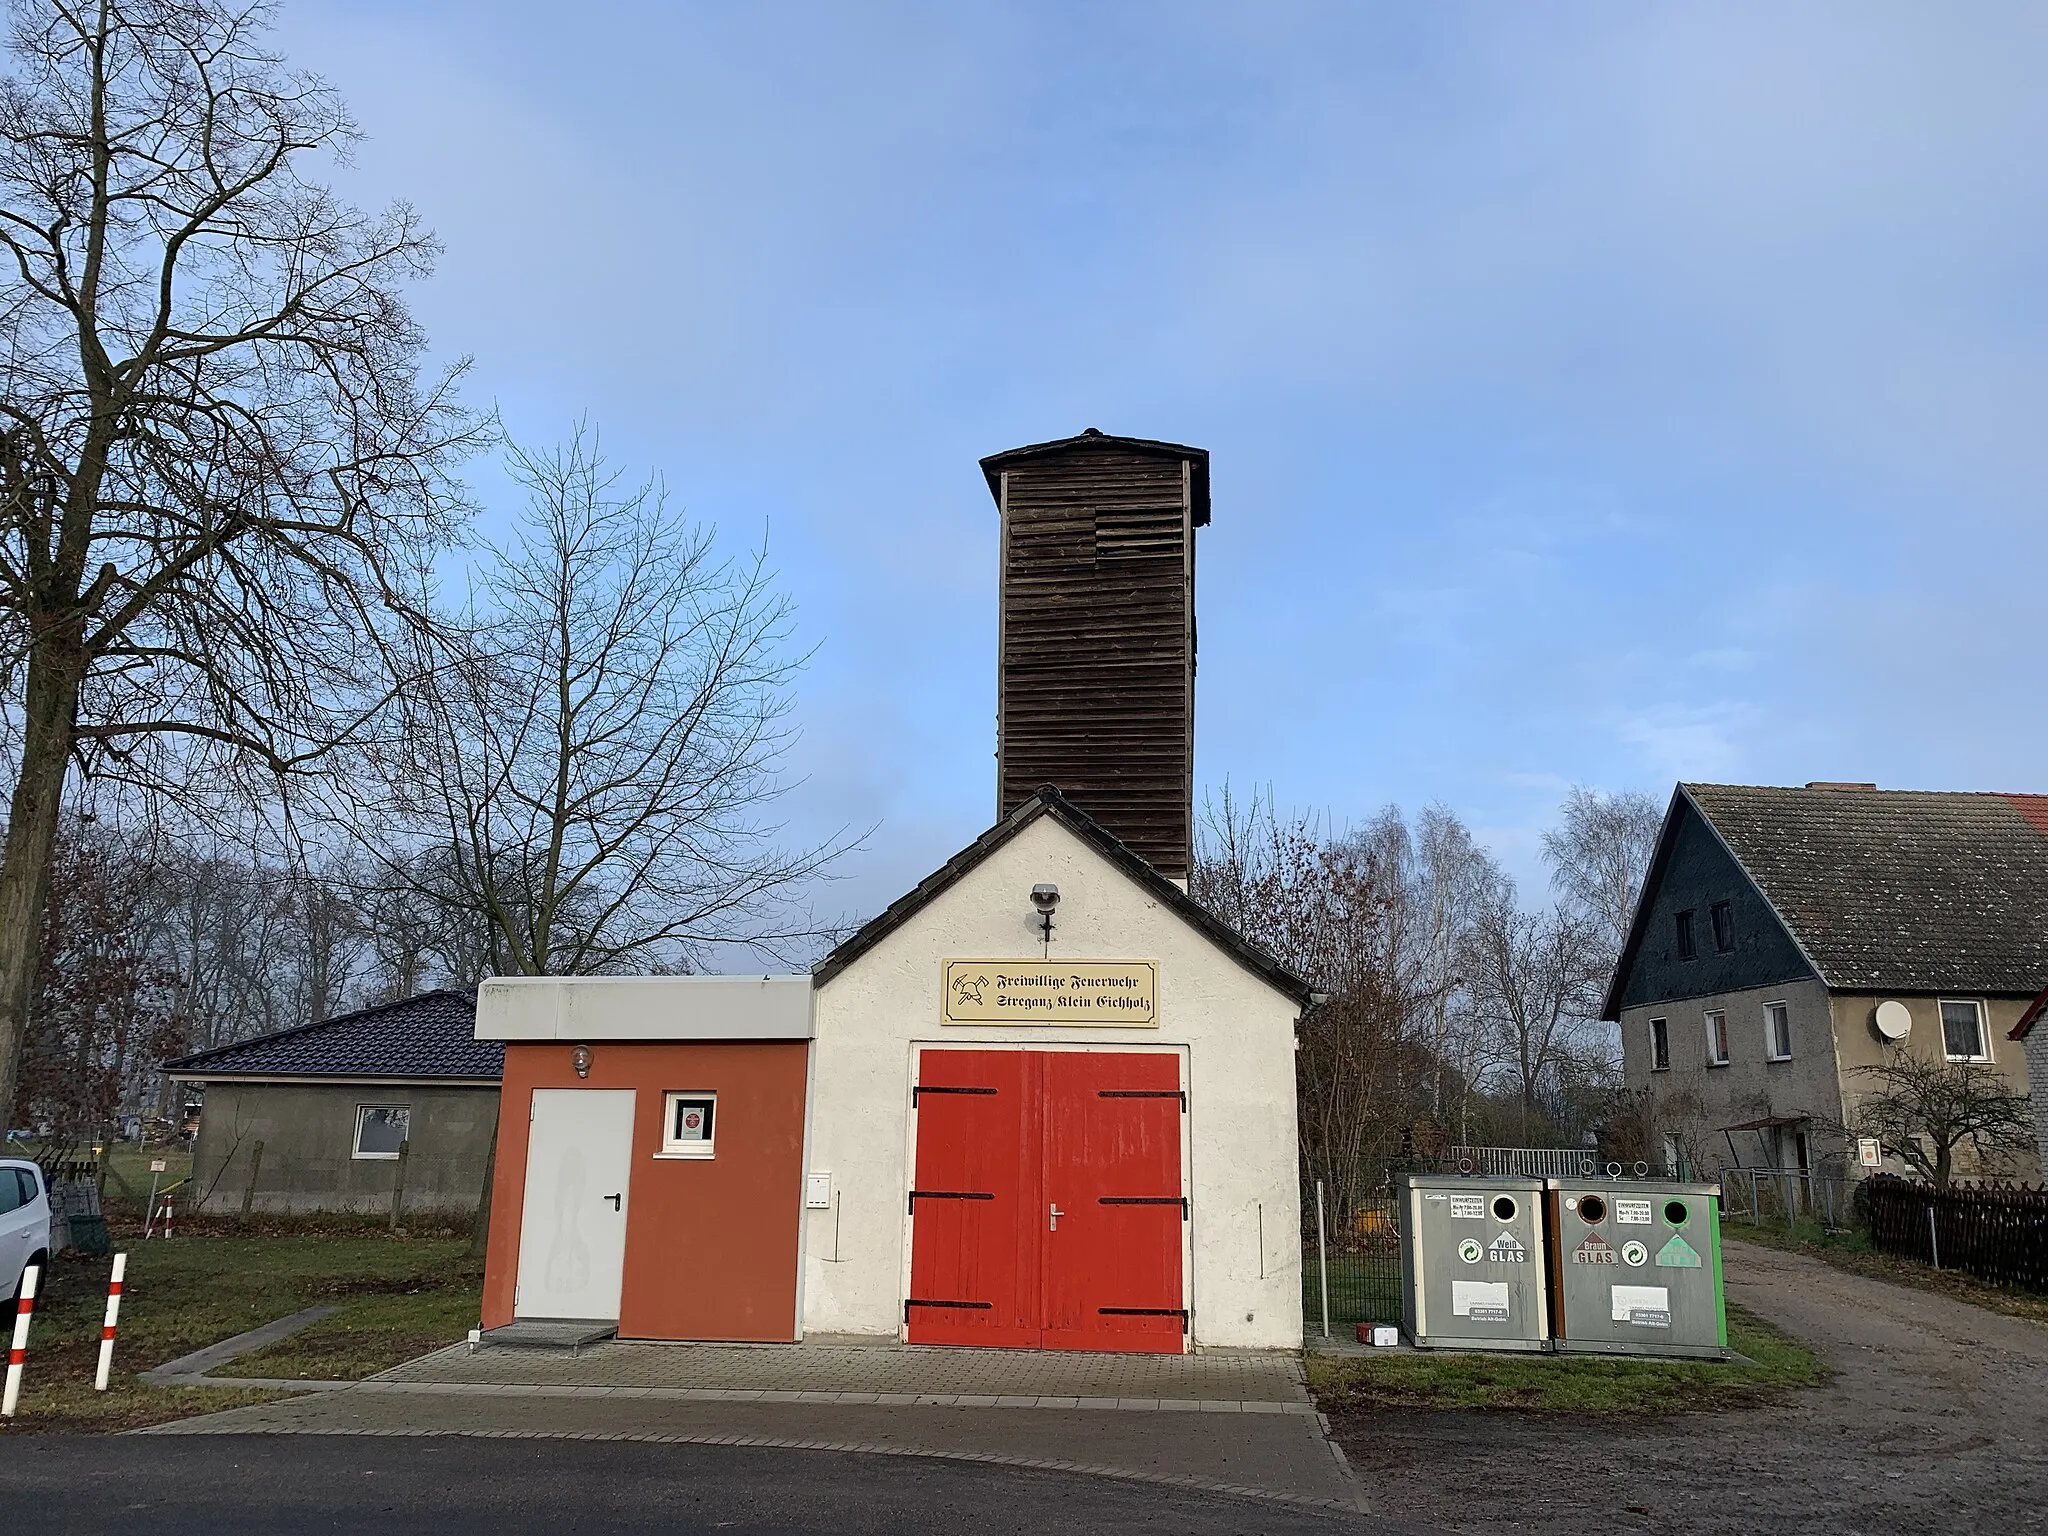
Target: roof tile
(1898, 890)
(430, 1035)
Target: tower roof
(1094, 440)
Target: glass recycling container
(1635, 1267)
(1472, 1272)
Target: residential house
(1786, 939)
(315, 1118)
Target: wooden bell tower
(1096, 656)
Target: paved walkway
(1232, 1423)
(865, 1371)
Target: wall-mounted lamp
(1044, 898)
(580, 1060)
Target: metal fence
(1782, 1196)
(1350, 1262)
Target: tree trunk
(50, 716)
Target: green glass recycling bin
(1472, 1273)
(1635, 1267)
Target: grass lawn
(1570, 1383)
(398, 1295)
(1851, 1251)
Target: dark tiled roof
(1050, 802)
(1898, 890)
(431, 1035)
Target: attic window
(1682, 921)
(1724, 928)
(1138, 533)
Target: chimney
(1095, 684)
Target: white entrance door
(572, 1232)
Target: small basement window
(1682, 922)
(1778, 1031)
(1717, 1038)
(1660, 1045)
(1962, 1030)
(380, 1129)
(1724, 928)
(687, 1123)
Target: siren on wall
(1891, 1022)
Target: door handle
(1056, 1214)
(614, 1200)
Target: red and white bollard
(107, 1328)
(19, 1349)
(169, 1212)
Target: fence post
(1323, 1258)
(249, 1189)
(398, 1181)
(1756, 1214)
(1933, 1237)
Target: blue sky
(1598, 394)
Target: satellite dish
(1892, 1022)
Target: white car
(24, 1223)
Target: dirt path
(1937, 1422)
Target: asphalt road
(226, 1485)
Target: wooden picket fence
(1997, 1234)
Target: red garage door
(1047, 1205)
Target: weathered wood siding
(1097, 685)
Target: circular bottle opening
(1592, 1209)
(1504, 1208)
(1675, 1212)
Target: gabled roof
(431, 1035)
(1048, 801)
(1885, 890)
(993, 466)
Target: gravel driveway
(1937, 1422)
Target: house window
(1717, 1038)
(1660, 1045)
(1683, 921)
(1962, 1031)
(381, 1129)
(686, 1124)
(1778, 1031)
(1724, 928)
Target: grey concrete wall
(1693, 1100)
(2037, 1070)
(308, 1136)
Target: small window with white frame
(1778, 1031)
(687, 1123)
(1717, 1038)
(1660, 1045)
(1962, 1030)
(381, 1129)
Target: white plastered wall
(1237, 1033)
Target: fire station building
(1044, 1100)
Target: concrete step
(570, 1333)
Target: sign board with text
(1099, 994)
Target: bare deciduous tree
(596, 757)
(1532, 979)
(1924, 1112)
(217, 456)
